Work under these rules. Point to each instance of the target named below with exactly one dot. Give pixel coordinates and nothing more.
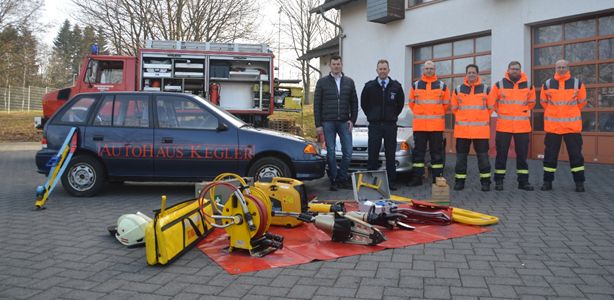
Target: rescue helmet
(131, 229)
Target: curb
(19, 146)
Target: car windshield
(226, 115)
(405, 118)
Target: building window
(451, 58)
(588, 45)
(418, 3)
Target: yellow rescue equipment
(245, 215)
(175, 230)
(460, 215)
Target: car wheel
(269, 167)
(84, 176)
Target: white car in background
(360, 141)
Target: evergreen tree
(8, 53)
(59, 70)
(102, 42)
(62, 42)
(18, 48)
(76, 40)
(89, 38)
(28, 64)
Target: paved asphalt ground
(548, 245)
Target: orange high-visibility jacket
(429, 99)
(563, 97)
(472, 108)
(513, 104)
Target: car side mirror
(88, 73)
(221, 126)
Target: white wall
(509, 22)
(324, 67)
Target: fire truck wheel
(269, 167)
(84, 176)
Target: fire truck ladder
(207, 46)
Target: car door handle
(98, 138)
(167, 140)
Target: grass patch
(19, 127)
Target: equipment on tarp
(428, 215)
(245, 215)
(388, 220)
(130, 229)
(342, 227)
(57, 164)
(319, 207)
(214, 93)
(175, 230)
(290, 195)
(372, 193)
(458, 215)
(286, 194)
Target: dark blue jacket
(380, 104)
(329, 104)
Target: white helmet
(131, 229)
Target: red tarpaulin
(306, 243)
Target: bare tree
(19, 13)
(128, 23)
(305, 31)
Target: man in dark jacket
(382, 101)
(335, 108)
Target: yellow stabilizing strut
(376, 185)
(460, 215)
(59, 163)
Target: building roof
(328, 5)
(329, 47)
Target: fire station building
(489, 33)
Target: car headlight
(311, 149)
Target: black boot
(333, 187)
(415, 181)
(580, 187)
(499, 185)
(525, 185)
(547, 186)
(459, 185)
(485, 186)
(345, 184)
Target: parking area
(556, 244)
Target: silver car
(360, 141)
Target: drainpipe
(341, 34)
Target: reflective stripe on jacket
(429, 99)
(563, 97)
(472, 108)
(513, 104)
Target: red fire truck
(237, 77)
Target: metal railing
(22, 99)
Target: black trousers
(434, 140)
(521, 145)
(573, 141)
(462, 151)
(387, 131)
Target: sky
(56, 11)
